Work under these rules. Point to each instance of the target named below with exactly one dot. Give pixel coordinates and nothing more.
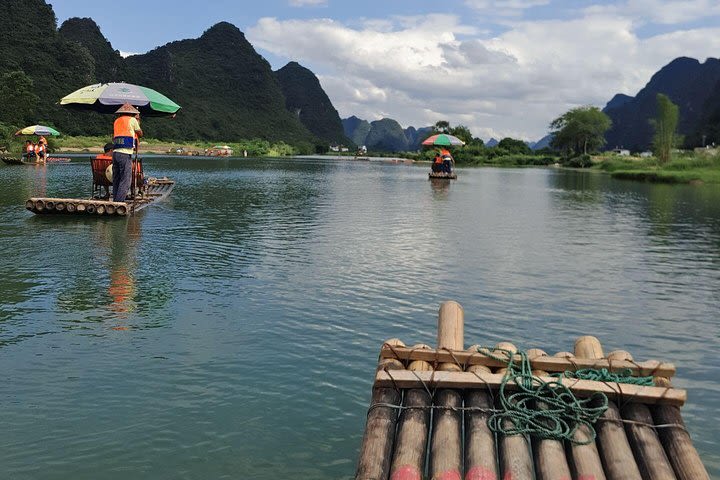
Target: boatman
(125, 130)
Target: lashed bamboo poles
(413, 428)
(678, 445)
(376, 449)
(615, 451)
(515, 458)
(446, 448)
(480, 452)
(550, 460)
(584, 454)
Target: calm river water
(232, 331)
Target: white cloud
(504, 8)
(306, 3)
(666, 12)
(127, 54)
(511, 84)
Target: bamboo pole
(121, 210)
(585, 458)
(615, 451)
(649, 453)
(49, 205)
(480, 454)
(100, 209)
(110, 209)
(71, 208)
(678, 445)
(377, 443)
(550, 458)
(90, 208)
(81, 207)
(412, 436)
(446, 448)
(516, 461)
(60, 206)
(30, 205)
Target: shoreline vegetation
(701, 166)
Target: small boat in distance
(49, 160)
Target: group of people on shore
(443, 161)
(36, 152)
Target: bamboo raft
(429, 414)
(442, 176)
(156, 190)
(48, 160)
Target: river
(232, 331)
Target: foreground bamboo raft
(429, 411)
(156, 190)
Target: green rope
(542, 409)
(604, 375)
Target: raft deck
(442, 176)
(431, 415)
(156, 190)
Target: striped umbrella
(443, 140)
(37, 130)
(108, 97)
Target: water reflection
(440, 188)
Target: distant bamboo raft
(429, 412)
(156, 190)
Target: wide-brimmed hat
(127, 108)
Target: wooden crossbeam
(582, 388)
(548, 364)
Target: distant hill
(491, 143)
(109, 65)
(543, 142)
(386, 135)
(227, 90)
(415, 136)
(305, 98)
(692, 85)
(356, 129)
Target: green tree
(462, 132)
(580, 130)
(514, 146)
(665, 125)
(442, 126)
(18, 100)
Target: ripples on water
(232, 331)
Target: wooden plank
(581, 388)
(548, 364)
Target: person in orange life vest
(40, 152)
(29, 150)
(125, 130)
(446, 160)
(43, 144)
(437, 163)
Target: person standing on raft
(125, 130)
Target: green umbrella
(108, 97)
(37, 130)
(443, 140)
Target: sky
(500, 67)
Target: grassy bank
(687, 167)
(255, 148)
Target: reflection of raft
(448, 406)
(49, 160)
(156, 190)
(443, 175)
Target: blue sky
(501, 67)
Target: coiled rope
(532, 406)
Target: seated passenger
(40, 151)
(437, 163)
(29, 151)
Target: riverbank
(254, 148)
(688, 167)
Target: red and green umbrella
(37, 130)
(443, 140)
(108, 97)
